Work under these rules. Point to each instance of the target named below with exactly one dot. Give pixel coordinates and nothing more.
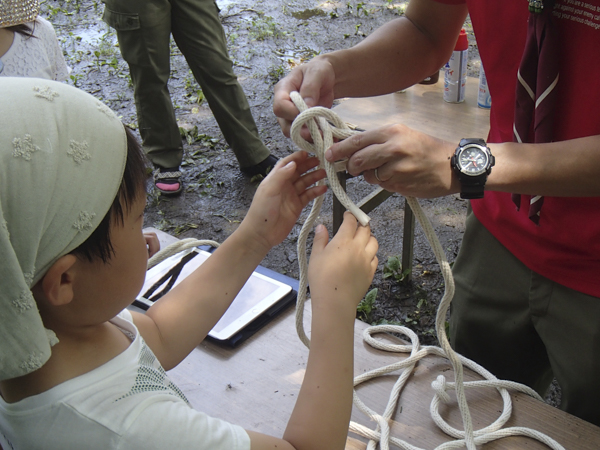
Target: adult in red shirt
(527, 304)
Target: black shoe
(262, 168)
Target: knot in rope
(439, 386)
(324, 125)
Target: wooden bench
(420, 107)
(256, 384)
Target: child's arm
(180, 320)
(339, 274)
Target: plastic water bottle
(484, 100)
(455, 76)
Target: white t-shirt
(127, 403)
(35, 57)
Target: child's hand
(281, 197)
(152, 243)
(341, 271)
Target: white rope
(177, 247)
(324, 125)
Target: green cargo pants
(143, 30)
(523, 327)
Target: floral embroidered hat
(62, 156)
(17, 12)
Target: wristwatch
(472, 161)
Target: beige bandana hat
(17, 12)
(62, 156)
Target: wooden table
(420, 107)
(256, 384)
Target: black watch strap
(465, 141)
(472, 187)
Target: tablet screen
(258, 294)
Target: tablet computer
(260, 299)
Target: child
(80, 371)
(28, 44)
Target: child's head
(66, 178)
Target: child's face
(111, 287)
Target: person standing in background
(144, 29)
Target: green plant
(276, 73)
(265, 27)
(75, 78)
(366, 306)
(393, 269)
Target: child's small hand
(152, 243)
(341, 271)
(281, 197)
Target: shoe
(262, 168)
(168, 180)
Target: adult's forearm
(400, 53)
(562, 169)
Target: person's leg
(490, 319)
(143, 30)
(569, 324)
(200, 37)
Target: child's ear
(57, 284)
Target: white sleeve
(172, 424)
(58, 65)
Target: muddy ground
(267, 38)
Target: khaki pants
(522, 326)
(143, 29)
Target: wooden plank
(421, 107)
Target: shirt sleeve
(166, 424)
(58, 65)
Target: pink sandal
(168, 181)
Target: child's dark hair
(133, 184)
(23, 29)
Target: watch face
(473, 160)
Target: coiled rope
(325, 125)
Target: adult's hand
(407, 161)
(314, 81)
